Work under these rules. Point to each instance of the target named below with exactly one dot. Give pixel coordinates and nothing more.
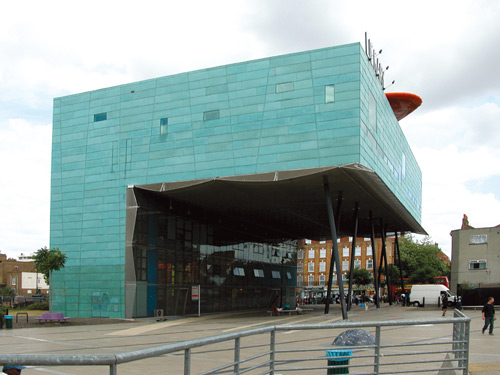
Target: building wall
(258, 116)
(475, 257)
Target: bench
(52, 317)
(298, 311)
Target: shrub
(38, 306)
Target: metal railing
(288, 350)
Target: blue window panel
(100, 117)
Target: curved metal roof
(292, 204)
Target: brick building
(314, 257)
(21, 276)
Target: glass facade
(179, 247)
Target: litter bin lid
(354, 337)
(8, 317)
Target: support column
(335, 256)
(374, 254)
(383, 258)
(353, 252)
(396, 243)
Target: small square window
(284, 87)
(477, 264)
(329, 94)
(211, 115)
(100, 117)
(163, 126)
(238, 271)
(478, 239)
(258, 272)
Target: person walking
(489, 315)
(444, 303)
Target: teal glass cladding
(303, 110)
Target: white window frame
(369, 251)
(345, 265)
(321, 280)
(311, 253)
(322, 253)
(310, 267)
(300, 254)
(310, 280)
(345, 252)
(357, 251)
(322, 266)
(357, 264)
(369, 264)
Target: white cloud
(25, 185)
(443, 51)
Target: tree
(49, 260)
(362, 277)
(6, 291)
(420, 260)
(393, 271)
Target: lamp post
(281, 288)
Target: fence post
(187, 362)
(112, 369)
(272, 346)
(237, 355)
(376, 367)
(466, 338)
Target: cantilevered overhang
(292, 204)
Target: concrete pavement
(138, 334)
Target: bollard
(8, 321)
(338, 358)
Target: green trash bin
(8, 321)
(333, 360)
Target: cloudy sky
(447, 52)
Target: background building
(21, 276)
(209, 177)
(314, 259)
(475, 263)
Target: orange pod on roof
(403, 103)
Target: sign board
(195, 293)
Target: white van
(431, 292)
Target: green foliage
(3, 311)
(394, 274)
(38, 306)
(49, 260)
(362, 277)
(420, 260)
(6, 291)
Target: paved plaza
(138, 334)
